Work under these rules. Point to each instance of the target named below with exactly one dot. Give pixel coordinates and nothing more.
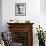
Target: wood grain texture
(23, 27)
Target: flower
(40, 33)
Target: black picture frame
(20, 9)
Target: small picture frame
(20, 9)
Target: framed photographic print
(20, 9)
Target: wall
(0, 14)
(8, 11)
(43, 6)
(43, 14)
(33, 13)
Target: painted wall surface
(33, 13)
(0, 15)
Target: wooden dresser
(22, 33)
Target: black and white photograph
(20, 9)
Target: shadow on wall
(43, 6)
(0, 15)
